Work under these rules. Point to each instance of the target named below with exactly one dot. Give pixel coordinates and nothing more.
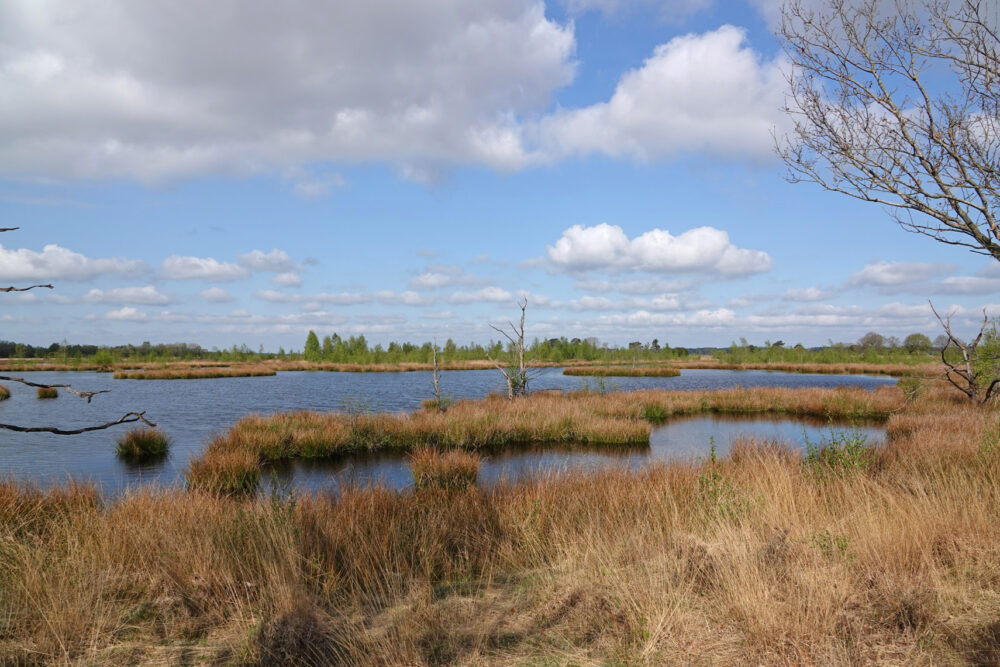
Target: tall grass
(4, 392)
(48, 392)
(452, 470)
(143, 443)
(750, 559)
(622, 371)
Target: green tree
(312, 350)
(917, 343)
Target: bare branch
(82, 394)
(8, 229)
(128, 418)
(23, 289)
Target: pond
(192, 411)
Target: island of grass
(188, 373)
(623, 371)
(761, 557)
(231, 463)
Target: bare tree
(976, 374)
(898, 103)
(127, 418)
(516, 373)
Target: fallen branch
(129, 418)
(23, 289)
(82, 394)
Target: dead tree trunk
(515, 375)
(965, 376)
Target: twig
(23, 289)
(82, 394)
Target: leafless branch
(8, 229)
(24, 289)
(82, 394)
(128, 418)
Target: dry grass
(754, 559)
(189, 373)
(48, 392)
(453, 470)
(930, 370)
(495, 423)
(623, 371)
(4, 392)
(143, 443)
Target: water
(192, 411)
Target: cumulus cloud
(313, 301)
(178, 267)
(147, 295)
(157, 91)
(808, 294)
(674, 10)
(216, 295)
(897, 276)
(484, 295)
(697, 93)
(276, 261)
(127, 314)
(289, 279)
(606, 247)
(55, 263)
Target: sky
(240, 172)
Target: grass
(622, 371)
(4, 392)
(748, 559)
(495, 423)
(194, 373)
(143, 443)
(453, 470)
(48, 392)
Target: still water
(192, 411)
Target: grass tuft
(4, 392)
(143, 443)
(454, 470)
(48, 392)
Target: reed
(143, 443)
(451, 471)
(4, 392)
(495, 422)
(623, 371)
(194, 373)
(750, 559)
(48, 392)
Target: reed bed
(752, 559)
(623, 371)
(47, 392)
(927, 370)
(143, 443)
(453, 470)
(194, 373)
(4, 392)
(495, 422)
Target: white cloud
(641, 286)
(673, 10)
(484, 295)
(430, 280)
(808, 294)
(56, 263)
(177, 267)
(216, 295)
(697, 93)
(147, 295)
(289, 279)
(276, 261)
(157, 91)
(606, 247)
(896, 276)
(968, 285)
(127, 314)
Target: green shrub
(143, 443)
(840, 453)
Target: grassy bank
(761, 558)
(925, 369)
(230, 460)
(622, 371)
(195, 373)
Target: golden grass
(622, 371)
(929, 370)
(195, 373)
(142, 443)
(4, 392)
(48, 392)
(495, 422)
(453, 470)
(749, 560)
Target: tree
(898, 103)
(872, 341)
(312, 350)
(516, 372)
(127, 418)
(977, 375)
(918, 343)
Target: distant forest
(870, 348)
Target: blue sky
(242, 174)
